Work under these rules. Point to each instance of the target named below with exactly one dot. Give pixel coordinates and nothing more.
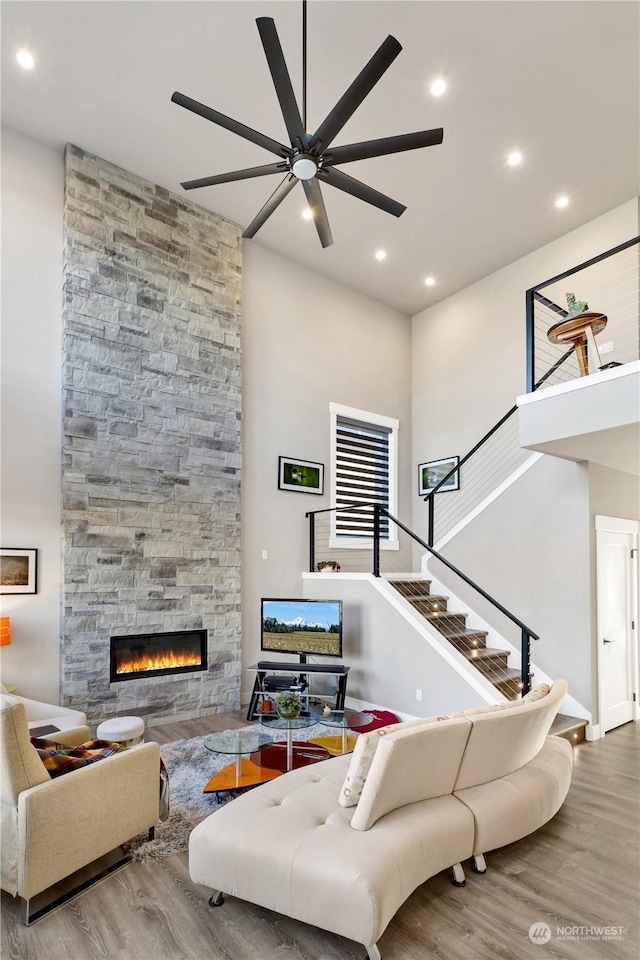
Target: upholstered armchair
(71, 725)
(53, 827)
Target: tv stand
(303, 670)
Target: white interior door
(616, 542)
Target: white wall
(468, 351)
(389, 659)
(32, 190)
(531, 548)
(307, 341)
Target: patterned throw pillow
(537, 693)
(59, 759)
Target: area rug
(190, 765)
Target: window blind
(362, 476)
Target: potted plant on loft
(288, 704)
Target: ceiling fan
(310, 158)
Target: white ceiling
(558, 80)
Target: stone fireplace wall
(151, 458)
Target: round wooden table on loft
(580, 330)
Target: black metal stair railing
(613, 279)
(410, 549)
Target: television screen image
(302, 627)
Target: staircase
(472, 644)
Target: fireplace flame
(164, 661)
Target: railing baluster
(525, 660)
(376, 539)
(312, 541)
(531, 356)
(432, 532)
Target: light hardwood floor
(580, 870)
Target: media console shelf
(300, 669)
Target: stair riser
(467, 644)
(510, 688)
(448, 623)
(488, 665)
(573, 736)
(428, 605)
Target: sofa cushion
(58, 759)
(416, 763)
(362, 758)
(504, 741)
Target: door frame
(604, 524)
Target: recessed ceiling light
(562, 202)
(514, 158)
(430, 281)
(25, 59)
(438, 87)
(381, 254)
(307, 214)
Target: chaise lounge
(341, 844)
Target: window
(364, 467)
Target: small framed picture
(430, 474)
(18, 571)
(300, 475)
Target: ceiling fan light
(304, 167)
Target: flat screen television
(302, 626)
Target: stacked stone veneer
(151, 460)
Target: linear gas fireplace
(157, 654)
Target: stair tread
(485, 653)
(466, 633)
(563, 723)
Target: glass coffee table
(242, 773)
(346, 720)
(273, 722)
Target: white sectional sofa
(343, 843)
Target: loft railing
(405, 561)
(610, 284)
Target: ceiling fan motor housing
(304, 167)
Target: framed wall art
(301, 475)
(18, 570)
(430, 474)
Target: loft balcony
(583, 362)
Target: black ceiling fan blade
(245, 174)
(317, 207)
(351, 100)
(344, 182)
(274, 201)
(383, 146)
(281, 81)
(233, 125)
